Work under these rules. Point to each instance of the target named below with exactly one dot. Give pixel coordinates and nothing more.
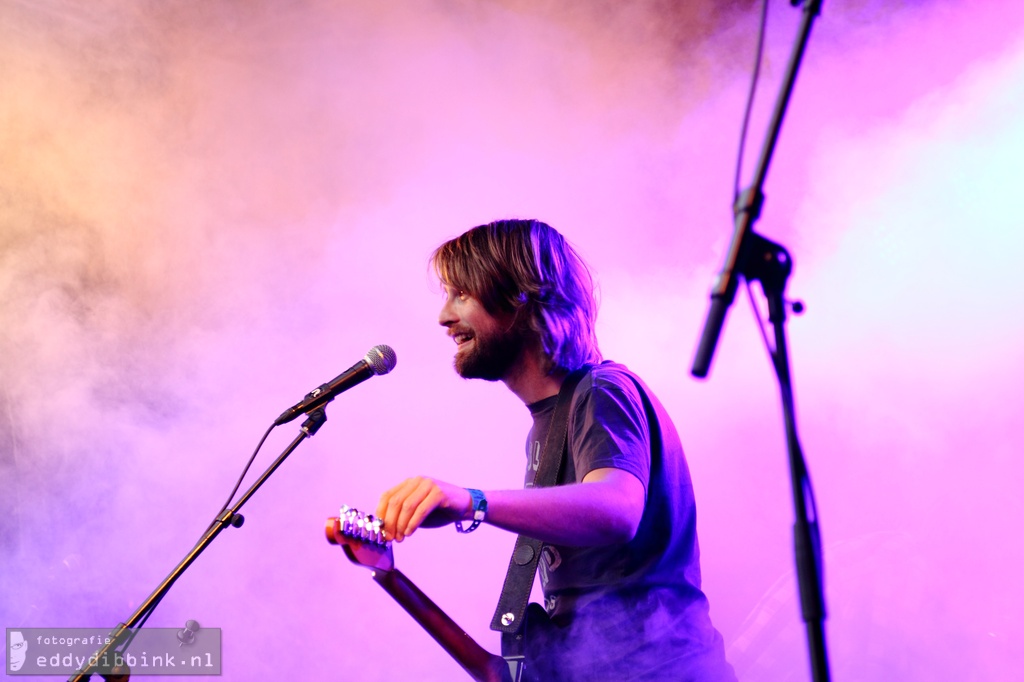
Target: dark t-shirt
(631, 611)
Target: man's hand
(422, 501)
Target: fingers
(403, 507)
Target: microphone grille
(381, 359)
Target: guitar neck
(481, 665)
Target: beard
(492, 355)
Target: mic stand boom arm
(754, 257)
(122, 635)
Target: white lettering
(534, 462)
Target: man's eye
(453, 294)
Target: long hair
(528, 269)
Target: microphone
(379, 360)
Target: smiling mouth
(462, 338)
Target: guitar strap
(515, 593)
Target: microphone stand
(123, 634)
(755, 258)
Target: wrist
(477, 511)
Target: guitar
(360, 536)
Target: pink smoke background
(210, 208)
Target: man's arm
(604, 509)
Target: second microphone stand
(753, 257)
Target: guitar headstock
(362, 538)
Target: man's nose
(447, 316)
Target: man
(620, 566)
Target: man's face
(18, 649)
(488, 347)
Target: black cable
(241, 478)
(750, 97)
(760, 323)
(758, 58)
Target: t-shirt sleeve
(610, 430)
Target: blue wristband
(479, 511)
